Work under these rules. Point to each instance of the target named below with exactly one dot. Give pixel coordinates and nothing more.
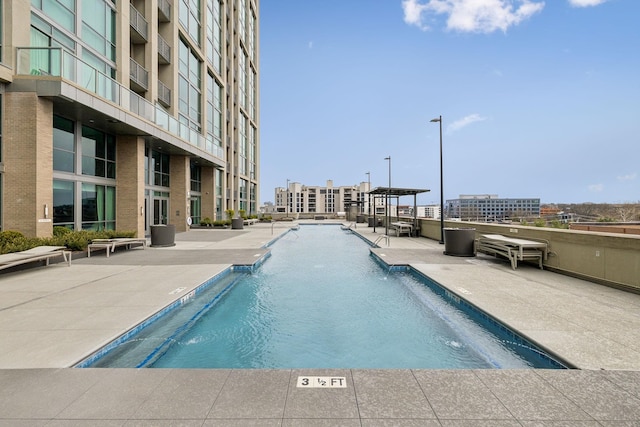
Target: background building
(489, 207)
(299, 198)
(124, 114)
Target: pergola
(390, 192)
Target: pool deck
(53, 317)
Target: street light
(287, 202)
(388, 213)
(439, 120)
(368, 195)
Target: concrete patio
(52, 317)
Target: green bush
(13, 241)
(206, 221)
(9, 236)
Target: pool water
(321, 301)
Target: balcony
(164, 94)
(139, 77)
(164, 51)
(164, 10)
(51, 62)
(139, 26)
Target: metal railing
(164, 50)
(55, 61)
(138, 74)
(164, 94)
(138, 23)
(164, 7)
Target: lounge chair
(39, 253)
(110, 245)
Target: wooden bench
(513, 249)
(402, 227)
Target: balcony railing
(164, 10)
(164, 51)
(139, 25)
(164, 94)
(55, 61)
(138, 74)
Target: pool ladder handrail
(383, 237)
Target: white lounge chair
(39, 253)
(110, 244)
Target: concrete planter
(237, 224)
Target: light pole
(439, 120)
(368, 195)
(287, 202)
(388, 213)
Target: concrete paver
(52, 317)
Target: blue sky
(538, 99)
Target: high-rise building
(490, 207)
(122, 114)
(299, 198)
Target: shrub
(206, 221)
(9, 236)
(59, 231)
(13, 241)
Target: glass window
(196, 178)
(98, 153)
(189, 87)
(60, 11)
(160, 169)
(189, 16)
(218, 176)
(196, 209)
(64, 155)
(214, 35)
(98, 27)
(98, 207)
(63, 203)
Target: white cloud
(465, 121)
(628, 177)
(413, 13)
(476, 16)
(596, 188)
(585, 3)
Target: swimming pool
(322, 301)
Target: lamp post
(439, 120)
(287, 202)
(368, 195)
(388, 213)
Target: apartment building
(122, 114)
(490, 207)
(299, 198)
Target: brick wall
(28, 161)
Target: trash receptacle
(163, 235)
(359, 219)
(459, 241)
(370, 221)
(237, 224)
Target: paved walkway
(52, 317)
